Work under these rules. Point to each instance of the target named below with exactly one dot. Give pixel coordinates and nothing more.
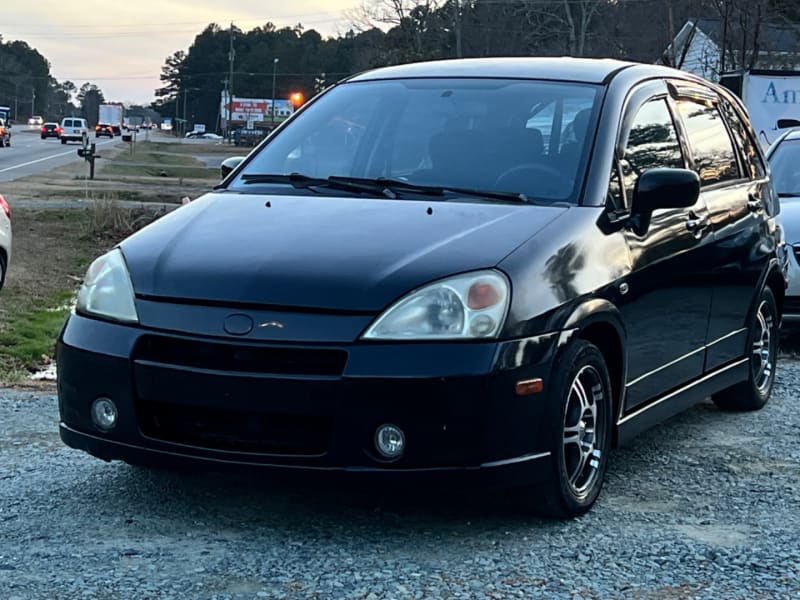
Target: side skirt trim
(681, 399)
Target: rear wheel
(581, 434)
(762, 348)
(63, 140)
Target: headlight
(107, 290)
(466, 306)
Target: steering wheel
(525, 176)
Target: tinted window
(652, 142)
(747, 147)
(785, 165)
(489, 134)
(712, 149)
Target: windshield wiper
(434, 190)
(788, 194)
(300, 181)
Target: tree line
(385, 32)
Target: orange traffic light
(297, 99)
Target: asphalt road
(31, 155)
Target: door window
(652, 142)
(747, 147)
(712, 148)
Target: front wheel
(580, 433)
(762, 349)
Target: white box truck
(772, 99)
(112, 114)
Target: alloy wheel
(584, 431)
(762, 358)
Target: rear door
(668, 301)
(736, 191)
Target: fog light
(390, 441)
(104, 413)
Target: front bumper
(791, 303)
(307, 407)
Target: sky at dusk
(121, 46)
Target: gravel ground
(704, 506)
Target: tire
(581, 428)
(762, 348)
(63, 141)
(3, 265)
(2, 142)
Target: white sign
(200, 127)
(769, 98)
(254, 109)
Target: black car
(493, 268)
(103, 130)
(48, 130)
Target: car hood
(320, 252)
(790, 219)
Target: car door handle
(754, 203)
(697, 225)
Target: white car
(74, 129)
(784, 161)
(36, 120)
(5, 239)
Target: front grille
(237, 431)
(240, 358)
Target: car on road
(74, 129)
(5, 239)
(405, 282)
(784, 159)
(35, 120)
(49, 130)
(104, 130)
(5, 133)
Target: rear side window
(712, 148)
(747, 147)
(652, 142)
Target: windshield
(785, 166)
(523, 136)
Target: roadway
(31, 155)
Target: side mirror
(662, 188)
(786, 123)
(228, 165)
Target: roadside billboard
(254, 110)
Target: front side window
(652, 142)
(481, 134)
(712, 148)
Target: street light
(274, 71)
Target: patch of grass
(151, 160)
(28, 340)
(132, 170)
(108, 219)
(212, 147)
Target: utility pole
(33, 101)
(457, 24)
(231, 55)
(274, 72)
